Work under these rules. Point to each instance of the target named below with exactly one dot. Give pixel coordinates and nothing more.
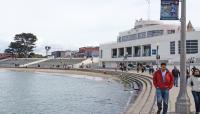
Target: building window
(172, 47)
(114, 53)
(191, 46)
(129, 51)
(133, 36)
(129, 37)
(119, 39)
(139, 26)
(121, 52)
(124, 38)
(155, 33)
(147, 50)
(170, 31)
(154, 51)
(137, 52)
(142, 35)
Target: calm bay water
(36, 93)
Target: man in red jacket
(163, 81)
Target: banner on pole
(169, 10)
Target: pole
(149, 9)
(183, 101)
(157, 57)
(46, 53)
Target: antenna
(149, 9)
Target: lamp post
(157, 55)
(125, 58)
(47, 48)
(183, 101)
(92, 62)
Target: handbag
(191, 83)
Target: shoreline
(65, 72)
(80, 74)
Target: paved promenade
(173, 96)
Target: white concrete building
(140, 44)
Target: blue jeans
(162, 96)
(196, 96)
(176, 81)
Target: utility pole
(183, 101)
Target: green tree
(23, 44)
(9, 50)
(35, 55)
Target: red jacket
(158, 80)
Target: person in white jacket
(194, 83)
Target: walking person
(138, 68)
(151, 69)
(124, 67)
(187, 75)
(142, 68)
(193, 69)
(176, 74)
(194, 82)
(163, 82)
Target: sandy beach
(64, 72)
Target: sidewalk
(173, 96)
(172, 100)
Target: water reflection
(34, 93)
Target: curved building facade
(147, 40)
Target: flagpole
(149, 9)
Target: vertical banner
(169, 10)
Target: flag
(148, 1)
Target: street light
(92, 62)
(125, 58)
(157, 55)
(183, 101)
(47, 48)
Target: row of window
(191, 47)
(136, 53)
(144, 35)
(172, 47)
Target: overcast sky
(70, 24)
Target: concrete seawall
(144, 103)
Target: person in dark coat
(138, 68)
(143, 68)
(176, 74)
(193, 69)
(151, 69)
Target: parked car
(131, 67)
